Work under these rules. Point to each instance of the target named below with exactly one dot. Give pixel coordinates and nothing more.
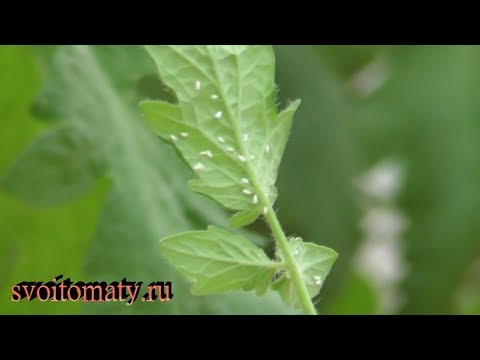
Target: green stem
(282, 241)
(271, 217)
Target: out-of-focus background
(383, 165)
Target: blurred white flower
(381, 224)
(371, 78)
(383, 181)
(380, 256)
(379, 261)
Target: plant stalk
(293, 268)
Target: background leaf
(97, 92)
(35, 244)
(36, 176)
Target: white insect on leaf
(198, 167)
(206, 153)
(238, 88)
(314, 262)
(240, 78)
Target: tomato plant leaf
(227, 128)
(216, 261)
(57, 167)
(226, 124)
(95, 91)
(314, 262)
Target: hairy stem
(271, 217)
(282, 241)
(274, 224)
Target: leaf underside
(227, 129)
(90, 99)
(218, 261)
(314, 262)
(226, 124)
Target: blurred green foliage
(87, 190)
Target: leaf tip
(332, 252)
(293, 105)
(147, 106)
(244, 218)
(144, 103)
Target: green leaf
(314, 262)
(321, 159)
(108, 62)
(35, 245)
(226, 124)
(57, 167)
(96, 90)
(244, 218)
(217, 261)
